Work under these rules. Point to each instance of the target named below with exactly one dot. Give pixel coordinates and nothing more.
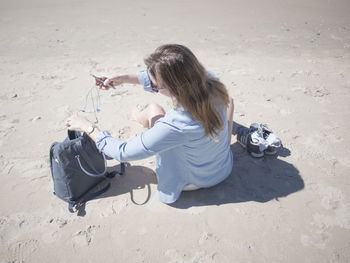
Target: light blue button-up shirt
(184, 154)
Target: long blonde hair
(176, 68)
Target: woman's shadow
(251, 179)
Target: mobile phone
(100, 80)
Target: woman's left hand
(78, 123)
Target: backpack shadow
(135, 177)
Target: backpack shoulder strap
(74, 206)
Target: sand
(285, 63)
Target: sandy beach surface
(285, 63)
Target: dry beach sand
(285, 63)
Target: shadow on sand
(136, 178)
(251, 179)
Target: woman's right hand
(115, 81)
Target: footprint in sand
(20, 251)
(124, 133)
(119, 205)
(317, 239)
(4, 224)
(48, 77)
(7, 126)
(332, 133)
(6, 166)
(337, 215)
(315, 146)
(57, 221)
(207, 237)
(331, 198)
(116, 207)
(316, 91)
(84, 237)
(14, 227)
(52, 233)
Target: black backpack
(77, 167)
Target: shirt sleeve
(145, 80)
(161, 137)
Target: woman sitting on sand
(192, 141)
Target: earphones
(95, 109)
(97, 92)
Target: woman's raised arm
(117, 80)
